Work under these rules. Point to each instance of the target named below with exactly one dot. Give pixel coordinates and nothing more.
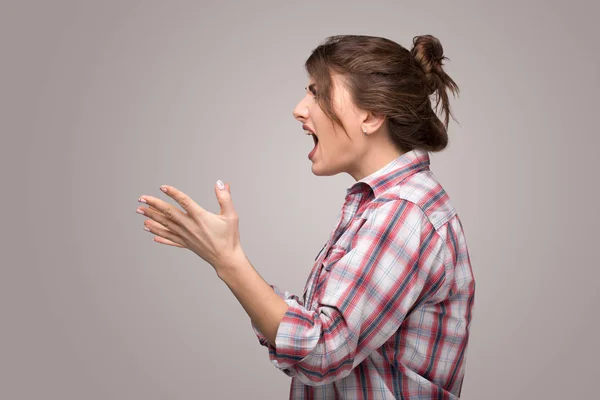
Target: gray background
(104, 101)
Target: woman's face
(335, 152)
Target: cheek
(337, 143)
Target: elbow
(310, 377)
(323, 369)
(309, 349)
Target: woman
(387, 308)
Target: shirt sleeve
(395, 265)
(289, 298)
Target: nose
(300, 112)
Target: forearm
(264, 307)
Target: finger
(154, 209)
(168, 242)
(183, 200)
(165, 214)
(163, 232)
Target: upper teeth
(308, 132)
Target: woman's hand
(215, 238)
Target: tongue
(312, 153)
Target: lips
(312, 133)
(306, 128)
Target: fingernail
(163, 188)
(220, 185)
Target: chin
(320, 171)
(315, 169)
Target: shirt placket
(348, 210)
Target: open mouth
(314, 150)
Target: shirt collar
(392, 173)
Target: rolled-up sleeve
(396, 265)
(290, 299)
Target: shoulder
(420, 194)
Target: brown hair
(385, 78)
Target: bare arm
(264, 307)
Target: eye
(312, 90)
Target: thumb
(224, 198)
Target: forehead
(340, 96)
(337, 83)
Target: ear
(372, 122)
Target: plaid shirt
(387, 307)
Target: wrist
(230, 263)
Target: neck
(374, 159)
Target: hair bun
(429, 54)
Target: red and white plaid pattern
(387, 307)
